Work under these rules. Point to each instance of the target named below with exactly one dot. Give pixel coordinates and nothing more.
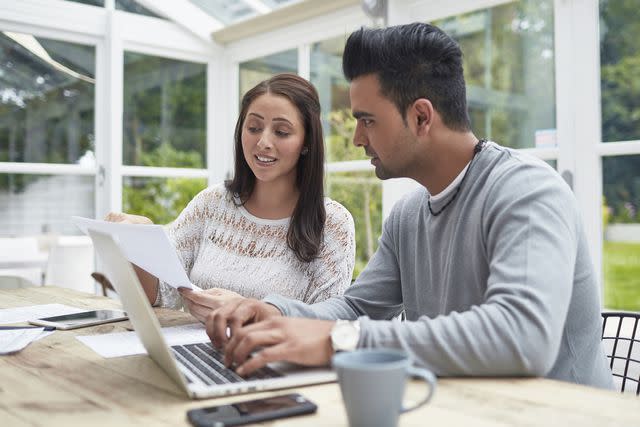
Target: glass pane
(509, 70)
(46, 100)
(619, 69)
(259, 69)
(161, 199)
(226, 11)
(134, 7)
(621, 220)
(337, 122)
(361, 194)
(34, 204)
(232, 11)
(90, 2)
(164, 116)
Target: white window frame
(112, 32)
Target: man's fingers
(218, 321)
(262, 358)
(248, 339)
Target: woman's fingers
(127, 218)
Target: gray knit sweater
(500, 283)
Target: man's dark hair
(304, 235)
(412, 61)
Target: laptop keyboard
(207, 364)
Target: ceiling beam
(286, 15)
(185, 14)
(259, 6)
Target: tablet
(80, 320)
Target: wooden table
(58, 381)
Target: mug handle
(429, 378)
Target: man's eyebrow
(361, 114)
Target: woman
(269, 229)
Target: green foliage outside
(164, 105)
(164, 126)
(621, 265)
(620, 88)
(160, 199)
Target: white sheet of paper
(127, 343)
(24, 314)
(147, 246)
(16, 339)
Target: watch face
(345, 336)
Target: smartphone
(252, 411)
(80, 320)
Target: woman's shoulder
(338, 217)
(215, 193)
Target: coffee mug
(372, 382)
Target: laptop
(196, 368)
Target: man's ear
(420, 115)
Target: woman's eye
(282, 133)
(253, 129)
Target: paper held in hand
(147, 246)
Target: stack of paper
(24, 314)
(127, 343)
(16, 338)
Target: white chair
(14, 282)
(21, 256)
(71, 263)
(10, 247)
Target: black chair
(621, 339)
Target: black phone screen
(251, 411)
(259, 406)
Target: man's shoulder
(512, 175)
(410, 202)
(519, 168)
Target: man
(488, 260)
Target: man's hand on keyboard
(303, 341)
(223, 322)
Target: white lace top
(222, 245)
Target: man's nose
(359, 137)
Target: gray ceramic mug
(373, 381)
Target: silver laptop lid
(121, 274)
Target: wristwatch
(345, 335)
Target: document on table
(147, 246)
(24, 314)
(128, 344)
(17, 338)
